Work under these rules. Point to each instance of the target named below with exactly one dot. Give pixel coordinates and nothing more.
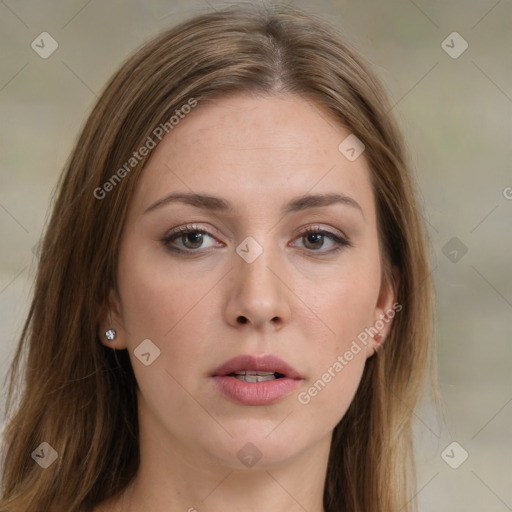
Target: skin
(301, 302)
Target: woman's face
(247, 280)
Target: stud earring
(110, 334)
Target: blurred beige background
(456, 111)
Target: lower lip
(255, 393)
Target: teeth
(253, 372)
(255, 378)
(254, 375)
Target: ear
(385, 310)
(111, 318)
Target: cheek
(160, 304)
(175, 311)
(353, 312)
(339, 360)
(329, 395)
(155, 297)
(345, 305)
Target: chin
(258, 445)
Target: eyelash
(189, 229)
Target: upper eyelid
(338, 239)
(185, 229)
(189, 228)
(196, 228)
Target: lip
(256, 393)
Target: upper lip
(264, 363)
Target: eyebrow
(212, 203)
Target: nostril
(242, 319)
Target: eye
(191, 237)
(314, 240)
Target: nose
(257, 294)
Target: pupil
(196, 238)
(316, 238)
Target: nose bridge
(256, 280)
(257, 294)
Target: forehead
(255, 150)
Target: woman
(232, 306)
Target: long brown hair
(70, 391)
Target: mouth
(256, 380)
(256, 368)
(255, 375)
